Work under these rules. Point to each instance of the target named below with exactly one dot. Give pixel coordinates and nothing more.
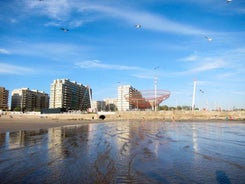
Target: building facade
(4, 95)
(111, 104)
(99, 106)
(124, 92)
(25, 99)
(108, 104)
(69, 95)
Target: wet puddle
(126, 152)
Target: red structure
(147, 99)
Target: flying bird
(201, 91)
(208, 38)
(228, 1)
(64, 29)
(138, 26)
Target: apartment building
(70, 95)
(111, 104)
(25, 99)
(4, 95)
(99, 106)
(124, 104)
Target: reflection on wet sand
(126, 152)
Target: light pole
(155, 87)
(194, 95)
(120, 88)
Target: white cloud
(144, 76)
(210, 64)
(51, 50)
(4, 51)
(147, 20)
(100, 65)
(62, 10)
(13, 69)
(204, 65)
(190, 58)
(56, 9)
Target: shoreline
(16, 122)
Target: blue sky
(104, 49)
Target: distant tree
(185, 107)
(172, 108)
(165, 107)
(179, 108)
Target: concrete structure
(111, 104)
(69, 95)
(25, 99)
(4, 95)
(99, 106)
(122, 103)
(108, 104)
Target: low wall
(159, 115)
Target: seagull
(228, 1)
(208, 38)
(64, 29)
(138, 26)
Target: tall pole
(194, 95)
(120, 88)
(155, 86)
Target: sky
(104, 49)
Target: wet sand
(15, 122)
(8, 124)
(129, 151)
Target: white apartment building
(70, 95)
(29, 100)
(123, 104)
(4, 95)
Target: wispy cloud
(192, 57)
(58, 10)
(63, 9)
(148, 20)
(4, 51)
(14, 69)
(50, 50)
(209, 64)
(229, 60)
(203, 64)
(99, 65)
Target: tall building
(124, 104)
(69, 95)
(25, 99)
(111, 104)
(4, 95)
(99, 106)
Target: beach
(123, 151)
(14, 122)
(8, 124)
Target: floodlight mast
(194, 95)
(155, 87)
